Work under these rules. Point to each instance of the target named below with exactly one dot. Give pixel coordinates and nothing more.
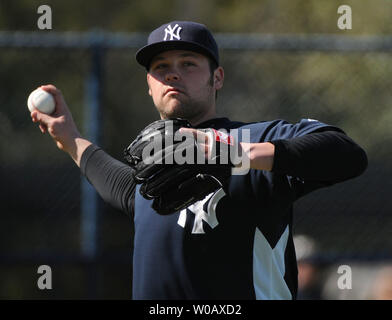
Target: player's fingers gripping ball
(175, 168)
(41, 100)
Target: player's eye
(188, 64)
(160, 66)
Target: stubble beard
(190, 109)
(184, 110)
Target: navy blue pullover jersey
(234, 244)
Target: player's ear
(148, 83)
(219, 76)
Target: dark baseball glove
(173, 169)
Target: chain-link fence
(338, 80)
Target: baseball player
(202, 232)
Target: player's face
(181, 85)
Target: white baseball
(41, 100)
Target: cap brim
(145, 54)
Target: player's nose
(172, 75)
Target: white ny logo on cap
(170, 31)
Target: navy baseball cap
(178, 35)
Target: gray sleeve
(111, 178)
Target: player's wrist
(76, 147)
(261, 155)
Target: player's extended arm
(111, 178)
(329, 156)
(61, 126)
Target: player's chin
(174, 110)
(174, 99)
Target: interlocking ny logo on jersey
(200, 214)
(170, 31)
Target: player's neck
(202, 118)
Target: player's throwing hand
(60, 125)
